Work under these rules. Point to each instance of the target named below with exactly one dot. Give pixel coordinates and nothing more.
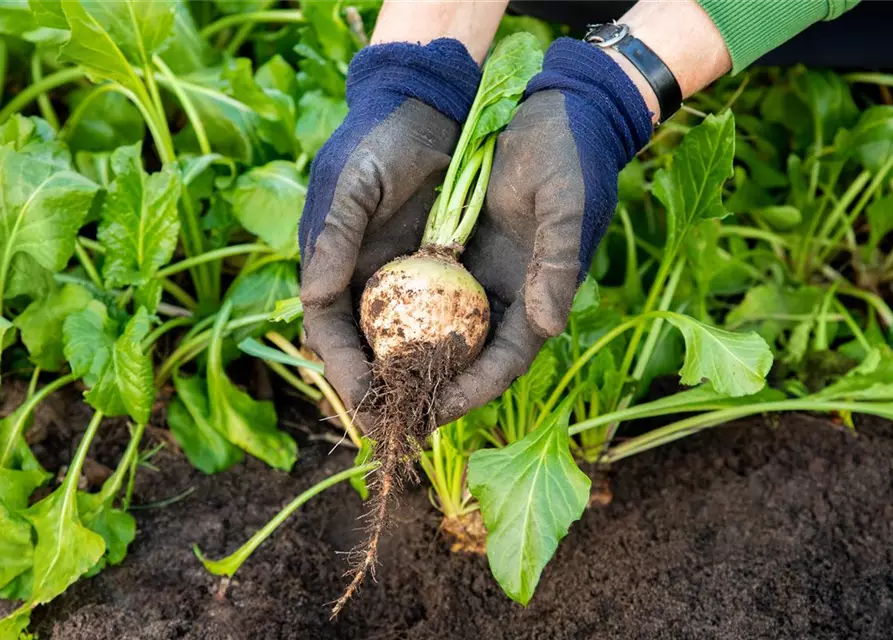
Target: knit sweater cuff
(752, 28)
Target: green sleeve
(752, 28)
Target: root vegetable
(425, 317)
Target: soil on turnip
(780, 529)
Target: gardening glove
(372, 184)
(551, 195)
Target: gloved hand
(372, 184)
(552, 193)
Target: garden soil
(761, 529)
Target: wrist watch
(657, 74)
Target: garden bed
(778, 527)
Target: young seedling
(424, 315)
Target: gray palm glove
(552, 192)
(371, 187)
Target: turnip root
(424, 316)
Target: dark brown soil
(748, 531)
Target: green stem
(87, 264)
(875, 301)
(34, 91)
(192, 347)
(583, 359)
(73, 475)
(473, 210)
(689, 426)
(162, 142)
(186, 102)
(91, 244)
(229, 565)
(446, 225)
(43, 100)
(281, 16)
(4, 67)
(194, 245)
(211, 256)
(20, 416)
(112, 486)
(179, 293)
(654, 332)
(851, 323)
(163, 328)
(280, 370)
(755, 234)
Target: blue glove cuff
(380, 78)
(608, 119)
(442, 74)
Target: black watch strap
(658, 75)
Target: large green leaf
(16, 549)
(871, 139)
(108, 121)
(530, 492)
(786, 306)
(115, 368)
(245, 422)
(260, 291)
(139, 28)
(186, 51)
(41, 324)
(189, 418)
(268, 201)
(42, 206)
(139, 225)
(871, 380)
(318, 117)
(691, 189)
(736, 363)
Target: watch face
(606, 35)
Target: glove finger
(333, 256)
(332, 334)
(554, 269)
(508, 356)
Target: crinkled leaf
(115, 368)
(16, 549)
(189, 418)
(534, 385)
(530, 492)
(870, 380)
(245, 422)
(41, 324)
(691, 189)
(268, 201)
(318, 117)
(42, 206)
(514, 60)
(495, 116)
(23, 131)
(736, 363)
(140, 223)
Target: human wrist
(471, 22)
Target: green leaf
(254, 348)
(18, 485)
(880, 221)
(530, 492)
(189, 418)
(782, 217)
(324, 16)
(535, 385)
(268, 201)
(115, 368)
(276, 109)
(16, 549)
(363, 456)
(16, 18)
(736, 363)
(13, 626)
(259, 291)
(691, 190)
(318, 117)
(117, 529)
(140, 223)
(288, 309)
(108, 121)
(65, 548)
(41, 324)
(870, 380)
(787, 306)
(247, 423)
(871, 139)
(42, 206)
(186, 51)
(829, 100)
(514, 24)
